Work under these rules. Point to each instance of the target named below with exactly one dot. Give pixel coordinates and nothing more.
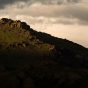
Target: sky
(67, 19)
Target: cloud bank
(67, 10)
(6, 2)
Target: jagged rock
(14, 24)
(5, 20)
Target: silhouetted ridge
(31, 59)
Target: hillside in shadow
(31, 59)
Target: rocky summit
(31, 59)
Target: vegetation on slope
(31, 59)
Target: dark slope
(31, 59)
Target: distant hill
(31, 59)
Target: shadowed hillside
(31, 59)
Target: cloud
(38, 12)
(49, 20)
(54, 12)
(3, 3)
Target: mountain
(31, 59)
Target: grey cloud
(79, 12)
(70, 12)
(6, 2)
